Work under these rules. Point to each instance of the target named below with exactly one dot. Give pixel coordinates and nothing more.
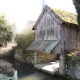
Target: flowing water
(24, 71)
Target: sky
(18, 12)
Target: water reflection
(25, 72)
(41, 76)
(23, 69)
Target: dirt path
(4, 50)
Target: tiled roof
(66, 16)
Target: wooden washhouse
(56, 31)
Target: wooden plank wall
(69, 34)
(48, 28)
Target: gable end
(46, 8)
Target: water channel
(25, 71)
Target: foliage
(77, 6)
(5, 31)
(23, 40)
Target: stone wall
(34, 57)
(70, 65)
(28, 57)
(61, 64)
(45, 57)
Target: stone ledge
(51, 67)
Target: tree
(77, 6)
(5, 31)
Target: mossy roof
(66, 16)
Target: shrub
(24, 40)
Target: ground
(5, 50)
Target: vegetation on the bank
(24, 40)
(26, 37)
(5, 31)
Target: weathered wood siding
(69, 34)
(48, 28)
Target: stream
(24, 71)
